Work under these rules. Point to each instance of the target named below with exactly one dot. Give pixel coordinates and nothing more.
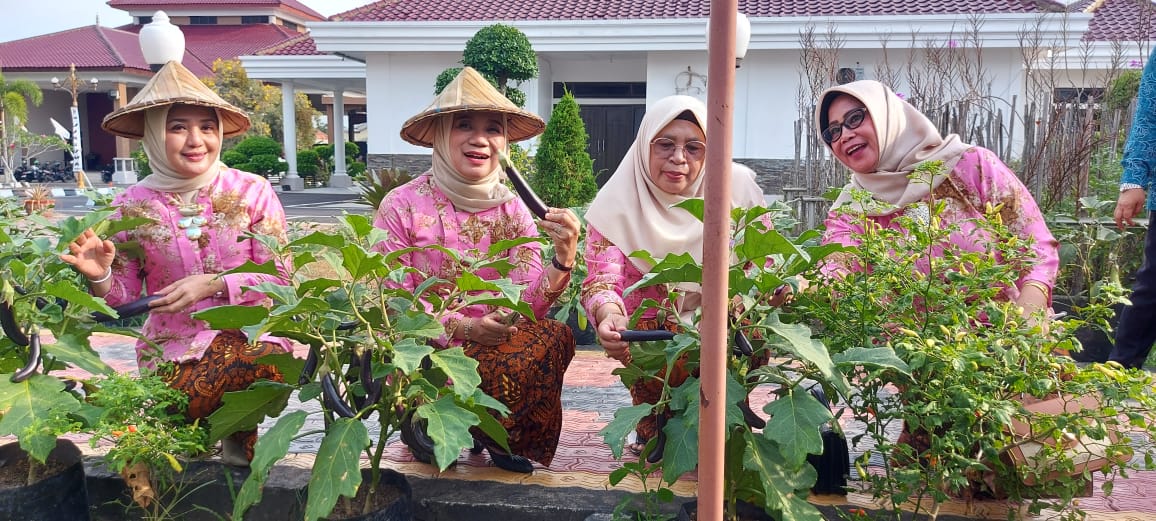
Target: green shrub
(266, 165)
(1123, 90)
(142, 163)
(308, 163)
(232, 158)
(564, 175)
(378, 183)
(356, 169)
(258, 145)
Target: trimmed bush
(232, 158)
(266, 165)
(308, 163)
(258, 145)
(564, 173)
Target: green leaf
(270, 447)
(781, 488)
(880, 357)
(68, 291)
(408, 354)
(419, 325)
(794, 425)
(232, 317)
(681, 453)
(74, 349)
(625, 421)
(37, 399)
(696, 207)
(244, 410)
(337, 468)
(800, 344)
(448, 425)
(672, 269)
(461, 368)
(265, 268)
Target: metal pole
(716, 256)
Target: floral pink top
(234, 204)
(419, 214)
(978, 179)
(609, 273)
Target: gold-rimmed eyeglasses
(665, 147)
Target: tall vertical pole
(716, 256)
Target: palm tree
(14, 98)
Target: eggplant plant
(46, 314)
(372, 358)
(771, 350)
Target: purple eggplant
(29, 368)
(333, 399)
(10, 326)
(640, 335)
(132, 309)
(533, 202)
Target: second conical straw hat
(171, 85)
(470, 91)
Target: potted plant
(977, 372)
(766, 467)
(45, 314)
(38, 199)
(370, 360)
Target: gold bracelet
(467, 328)
(1040, 286)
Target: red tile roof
(216, 5)
(483, 10)
(102, 48)
(1120, 20)
(300, 46)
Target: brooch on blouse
(191, 220)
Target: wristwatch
(1124, 187)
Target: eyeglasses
(665, 148)
(851, 120)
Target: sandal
(637, 446)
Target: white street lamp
(161, 42)
(742, 37)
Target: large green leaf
(681, 453)
(419, 325)
(73, 348)
(794, 425)
(408, 354)
(337, 469)
(448, 425)
(360, 263)
(244, 410)
(800, 343)
(461, 368)
(625, 421)
(40, 398)
(265, 268)
(880, 357)
(232, 317)
(69, 292)
(672, 269)
(782, 487)
(270, 447)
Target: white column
(339, 179)
(291, 181)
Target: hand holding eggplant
(560, 224)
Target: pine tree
(564, 174)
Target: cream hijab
(164, 178)
(635, 214)
(467, 195)
(906, 138)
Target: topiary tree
(564, 174)
(257, 154)
(501, 53)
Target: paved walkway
(583, 460)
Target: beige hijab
(635, 214)
(906, 138)
(467, 195)
(164, 178)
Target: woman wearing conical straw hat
(461, 203)
(200, 212)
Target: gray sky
(21, 20)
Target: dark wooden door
(611, 130)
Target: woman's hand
(491, 330)
(181, 295)
(611, 340)
(90, 255)
(563, 227)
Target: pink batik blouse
(235, 204)
(418, 214)
(978, 180)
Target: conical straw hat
(171, 85)
(471, 91)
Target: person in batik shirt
(199, 212)
(462, 204)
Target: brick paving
(590, 397)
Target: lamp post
(726, 45)
(160, 42)
(74, 86)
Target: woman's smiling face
(858, 147)
(475, 140)
(192, 139)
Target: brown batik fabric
(525, 374)
(647, 390)
(229, 364)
